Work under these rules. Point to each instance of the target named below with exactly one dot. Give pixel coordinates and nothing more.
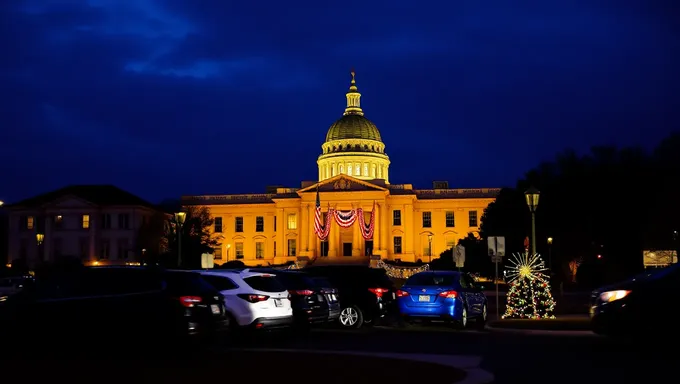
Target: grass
(261, 367)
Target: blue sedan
(443, 295)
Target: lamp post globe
(532, 195)
(179, 219)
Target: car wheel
(480, 322)
(463, 321)
(351, 317)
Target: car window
(264, 283)
(220, 283)
(431, 279)
(295, 281)
(470, 281)
(186, 283)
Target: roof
(353, 127)
(102, 195)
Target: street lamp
(429, 247)
(532, 194)
(39, 237)
(550, 240)
(2, 203)
(179, 218)
(228, 247)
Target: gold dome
(353, 124)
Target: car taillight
(401, 293)
(301, 292)
(252, 298)
(190, 301)
(449, 294)
(378, 292)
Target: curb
(540, 332)
(467, 363)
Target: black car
(637, 305)
(308, 300)
(332, 297)
(366, 294)
(102, 305)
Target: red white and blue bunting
(345, 219)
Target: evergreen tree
(529, 296)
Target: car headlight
(609, 296)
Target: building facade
(408, 224)
(98, 224)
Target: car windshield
(295, 281)
(431, 279)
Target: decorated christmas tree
(529, 296)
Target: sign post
(496, 246)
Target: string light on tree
(529, 296)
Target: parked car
(253, 299)
(442, 295)
(635, 306)
(366, 294)
(332, 296)
(95, 304)
(311, 304)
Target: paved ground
(512, 358)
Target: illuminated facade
(410, 224)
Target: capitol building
(362, 216)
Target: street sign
(459, 255)
(496, 246)
(496, 259)
(207, 261)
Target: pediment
(343, 183)
(69, 202)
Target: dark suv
(103, 305)
(366, 294)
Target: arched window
(357, 169)
(365, 169)
(349, 169)
(333, 170)
(341, 169)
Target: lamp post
(39, 237)
(228, 247)
(179, 218)
(429, 246)
(532, 194)
(550, 240)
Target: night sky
(172, 97)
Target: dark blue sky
(172, 97)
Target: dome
(353, 126)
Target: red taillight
(401, 293)
(301, 292)
(252, 298)
(378, 291)
(190, 301)
(449, 294)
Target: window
(427, 219)
(265, 283)
(397, 244)
(122, 249)
(104, 250)
(106, 221)
(365, 169)
(292, 221)
(450, 220)
(239, 251)
(85, 221)
(259, 224)
(84, 248)
(349, 169)
(218, 225)
(472, 218)
(430, 279)
(238, 224)
(450, 243)
(124, 221)
(259, 250)
(427, 249)
(342, 170)
(292, 247)
(324, 249)
(274, 225)
(58, 221)
(220, 283)
(217, 254)
(357, 170)
(373, 171)
(396, 217)
(30, 222)
(275, 249)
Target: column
(312, 238)
(280, 233)
(376, 229)
(385, 230)
(303, 231)
(409, 230)
(356, 238)
(333, 239)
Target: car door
(479, 297)
(469, 294)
